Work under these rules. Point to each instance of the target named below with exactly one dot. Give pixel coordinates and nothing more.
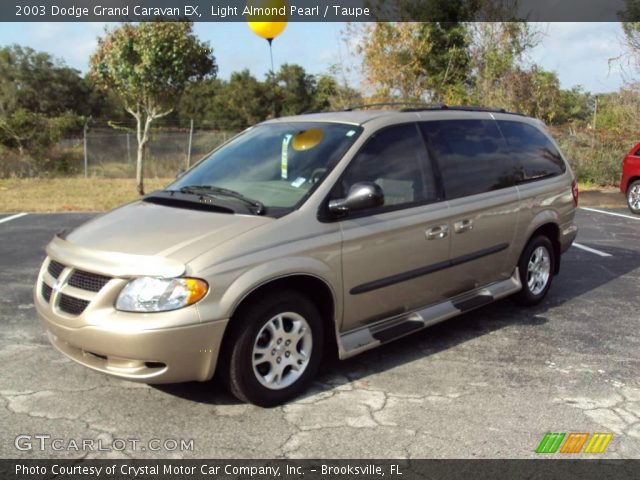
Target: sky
(579, 53)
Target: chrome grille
(88, 281)
(55, 268)
(72, 305)
(46, 292)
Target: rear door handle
(436, 233)
(463, 226)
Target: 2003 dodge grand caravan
(352, 228)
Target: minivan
(309, 234)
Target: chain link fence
(112, 153)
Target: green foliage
(37, 82)
(330, 95)
(294, 89)
(243, 100)
(150, 64)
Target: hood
(142, 228)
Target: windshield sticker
(351, 133)
(284, 167)
(298, 182)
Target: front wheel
(633, 197)
(275, 349)
(536, 269)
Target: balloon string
(270, 40)
(273, 77)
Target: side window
(394, 158)
(472, 156)
(637, 154)
(532, 150)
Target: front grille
(88, 281)
(72, 305)
(46, 292)
(55, 268)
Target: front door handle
(436, 233)
(463, 226)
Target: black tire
(534, 294)
(237, 368)
(632, 192)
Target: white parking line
(12, 217)
(591, 250)
(610, 213)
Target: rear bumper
(167, 355)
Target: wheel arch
(551, 230)
(629, 182)
(313, 287)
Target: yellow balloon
(267, 30)
(269, 19)
(307, 139)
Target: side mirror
(362, 195)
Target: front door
(393, 255)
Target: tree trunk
(139, 169)
(143, 138)
(140, 156)
(142, 131)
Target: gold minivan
(344, 230)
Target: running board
(357, 341)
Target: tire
(261, 332)
(633, 197)
(536, 267)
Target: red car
(630, 183)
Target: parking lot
(488, 384)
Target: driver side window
(395, 159)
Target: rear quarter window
(472, 156)
(532, 151)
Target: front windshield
(276, 164)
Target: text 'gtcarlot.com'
(44, 442)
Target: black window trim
(325, 216)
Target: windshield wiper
(210, 190)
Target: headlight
(150, 294)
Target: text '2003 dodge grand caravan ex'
(348, 229)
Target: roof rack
(418, 107)
(395, 104)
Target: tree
(39, 83)
(330, 95)
(497, 56)
(295, 90)
(149, 65)
(413, 62)
(241, 102)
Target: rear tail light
(575, 191)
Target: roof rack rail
(464, 108)
(418, 107)
(395, 104)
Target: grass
(70, 194)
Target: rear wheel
(536, 269)
(275, 349)
(633, 197)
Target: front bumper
(167, 347)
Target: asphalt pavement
(488, 384)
